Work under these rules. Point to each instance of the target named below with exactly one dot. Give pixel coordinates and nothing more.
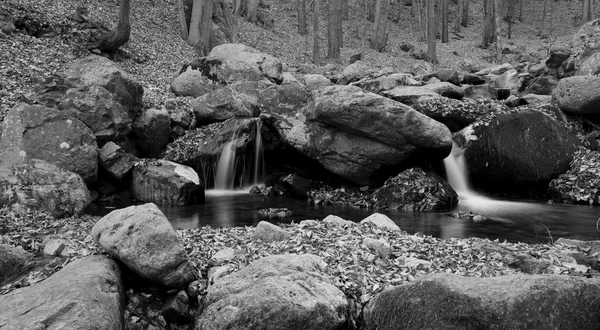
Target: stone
(176, 308)
(449, 75)
(269, 65)
(180, 114)
(143, 239)
(55, 247)
(309, 223)
(45, 187)
(472, 79)
(221, 104)
(296, 185)
(380, 221)
(268, 232)
(508, 80)
(152, 130)
(592, 247)
(98, 70)
(448, 301)
(590, 66)
(334, 220)
(496, 70)
(557, 57)
(35, 131)
(537, 69)
(380, 247)
(192, 82)
(386, 82)
(13, 262)
(446, 89)
(315, 81)
(410, 95)
(215, 273)
(516, 153)
(86, 294)
(115, 160)
(275, 292)
(354, 72)
(579, 95)
(417, 191)
(164, 182)
(222, 256)
(536, 98)
(478, 92)
(543, 85)
(457, 114)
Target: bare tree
(520, 10)
(111, 42)
(544, 13)
(376, 24)
(431, 32)
(422, 15)
(236, 12)
(200, 26)
(497, 32)
(465, 13)
(316, 48)
(459, 8)
(252, 12)
(301, 11)
(345, 10)
(444, 11)
(489, 22)
(183, 27)
(334, 9)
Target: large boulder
(98, 70)
(86, 294)
(152, 130)
(410, 95)
(516, 152)
(457, 114)
(13, 262)
(115, 160)
(221, 104)
(447, 301)
(359, 135)
(578, 95)
(354, 72)
(192, 81)
(269, 65)
(143, 239)
(275, 292)
(543, 85)
(385, 82)
(43, 186)
(590, 66)
(415, 190)
(164, 182)
(34, 131)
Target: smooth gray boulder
(86, 294)
(448, 301)
(268, 232)
(143, 239)
(579, 95)
(267, 64)
(221, 104)
(276, 292)
(152, 129)
(381, 221)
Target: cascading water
(456, 172)
(226, 167)
(258, 155)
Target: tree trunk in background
(365, 29)
(236, 11)
(194, 35)
(459, 8)
(431, 27)
(413, 7)
(334, 11)
(586, 10)
(498, 26)
(422, 14)
(252, 11)
(301, 11)
(489, 22)
(444, 21)
(376, 24)
(111, 42)
(520, 10)
(591, 11)
(396, 14)
(183, 27)
(202, 47)
(345, 10)
(509, 18)
(544, 13)
(316, 50)
(465, 13)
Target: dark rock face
(447, 301)
(578, 95)
(13, 261)
(516, 153)
(86, 294)
(115, 160)
(543, 85)
(296, 185)
(152, 131)
(457, 114)
(557, 57)
(415, 190)
(42, 186)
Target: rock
(221, 104)
(55, 246)
(421, 68)
(152, 130)
(543, 85)
(445, 301)
(478, 92)
(415, 190)
(472, 79)
(45, 187)
(381, 247)
(222, 256)
(358, 135)
(180, 114)
(275, 292)
(354, 72)
(115, 160)
(217, 272)
(13, 262)
(457, 114)
(508, 80)
(268, 232)
(315, 81)
(86, 294)
(176, 308)
(446, 89)
(143, 239)
(535, 98)
(334, 220)
(591, 247)
(386, 82)
(517, 152)
(578, 95)
(447, 75)
(34, 131)
(590, 66)
(381, 221)
(410, 95)
(578, 185)
(269, 65)
(309, 223)
(164, 182)
(537, 70)
(193, 81)
(98, 70)
(496, 70)
(557, 57)
(296, 185)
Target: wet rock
(152, 131)
(296, 185)
(221, 104)
(143, 239)
(467, 215)
(578, 95)
(268, 232)
(115, 160)
(86, 294)
(442, 301)
(415, 190)
(165, 182)
(176, 308)
(299, 295)
(381, 221)
(334, 220)
(13, 261)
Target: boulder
(273, 212)
(275, 292)
(543, 85)
(478, 92)
(449, 75)
(268, 232)
(495, 70)
(508, 80)
(85, 294)
(143, 239)
(269, 65)
(180, 113)
(221, 104)
(386, 82)
(381, 221)
(446, 89)
(354, 72)
(152, 131)
(410, 95)
(42, 186)
(35, 131)
(14, 261)
(579, 95)
(557, 57)
(296, 185)
(379, 247)
(334, 220)
(448, 301)
(415, 190)
(315, 81)
(590, 66)
(193, 81)
(581, 183)
(517, 152)
(98, 70)
(536, 98)
(472, 79)
(164, 182)
(115, 160)
(457, 114)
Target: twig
(597, 223)
(549, 234)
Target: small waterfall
(456, 172)
(226, 167)
(258, 155)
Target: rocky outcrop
(517, 152)
(164, 182)
(457, 114)
(444, 301)
(152, 130)
(581, 183)
(378, 83)
(221, 104)
(354, 72)
(34, 131)
(43, 186)
(415, 190)
(269, 65)
(143, 239)
(115, 160)
(275, 292)
(13, 261)
(86, 294)
(578, 95)
(381, 221)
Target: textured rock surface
(13, 261)
(152, 129)
(86, 294)
(269, 65)
(115, 160)
(268, 232)
(578, 95)
(381, 220)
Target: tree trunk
(585, 10)
(459, 7)
(397, 12)
(413, 7)
(183, 27)
(422, 14)
(591, 11)
(489, 22)
(365, 29)
(111, 42)
(344, 4)
(235, 14)
(316, 50)
(431, 27)
(444, 10)
(376, 24)
(520, 10)
(334, 28)
(203, 45)
(252, 11)
(509, 18)
(465, 13)
(301, 11)
(194, 35)
(544, 13)
(497, 33)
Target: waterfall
(456, 172)
(258, 155)
(226, 167)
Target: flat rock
(268, 232)
(381, 221)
